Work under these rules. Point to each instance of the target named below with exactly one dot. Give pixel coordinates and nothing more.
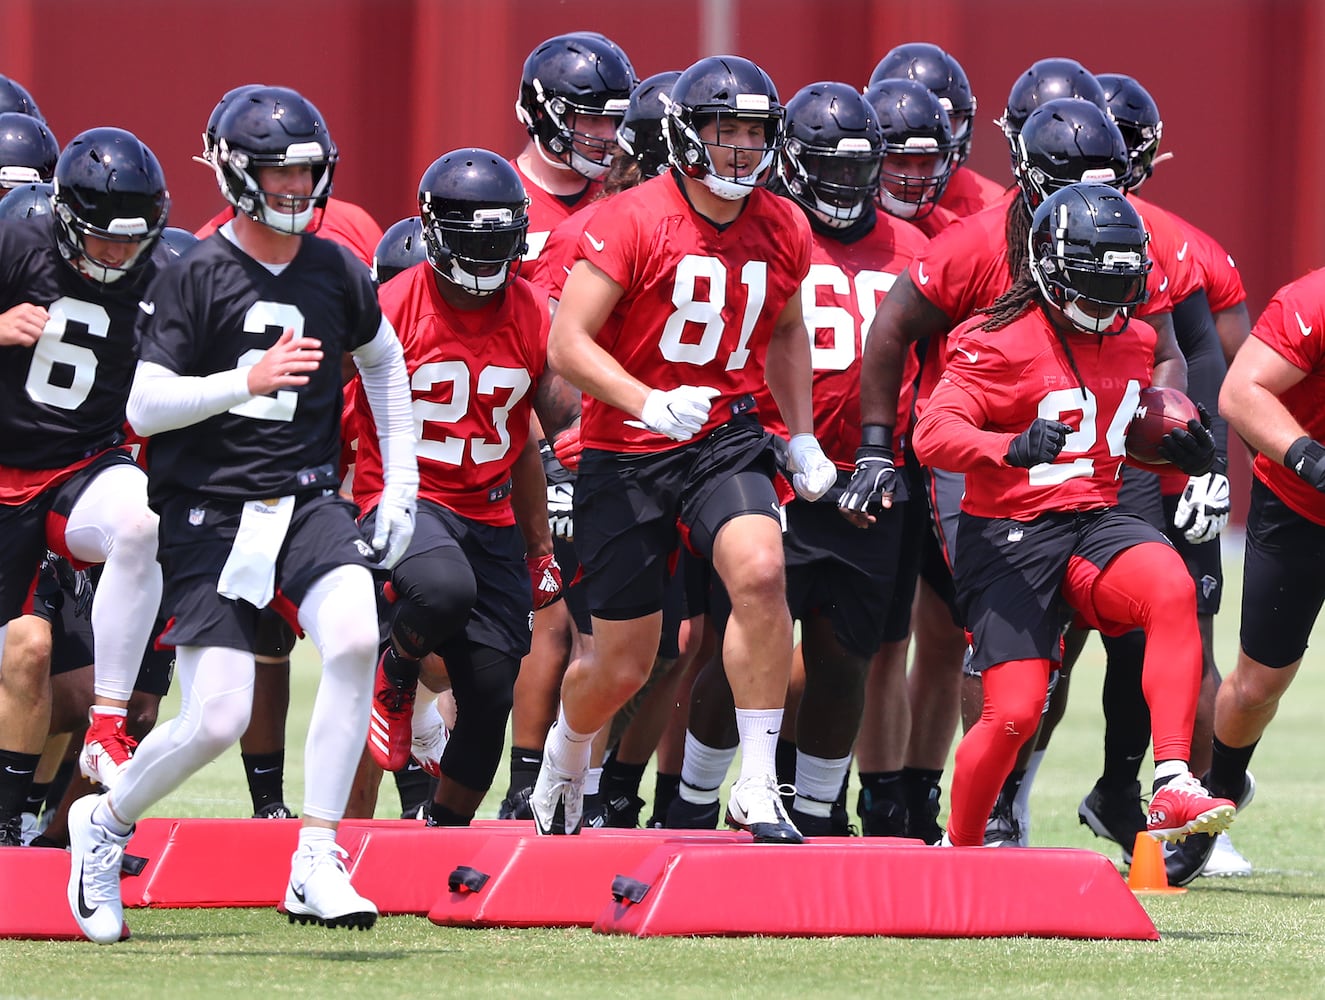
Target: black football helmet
(176, 242)
(1047, 80)
(919, 150)
(109, 186)
(715, 88)
(15, 97)
(209, 133)
(475, 215)
(273, 127)
(1088, 248)
(640, 135)
(27, 201)
(400, 248)
(28, 151)
(943, 75)
(1137, 116)
(1064, 142)
(581, 74)
(831, 152)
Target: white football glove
(814, 473)
(1203, 508)
(394, 524)
(560, 502)
(678, 413)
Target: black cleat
(1114, 814)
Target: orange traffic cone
(1147, 875)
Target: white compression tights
(338, 613)
(112, 524)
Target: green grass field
(1257, 936)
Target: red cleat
(391, 721)
(1183, 807)
(107, 748)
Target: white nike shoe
(557, 801)
(1225, 860)
(428, 740)
(94, 874)
(756, 805)
(319, 890)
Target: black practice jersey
(218, 309)
(63, 398)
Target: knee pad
(435, 592)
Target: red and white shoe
(107, 748)
(390, 724)
(1183, 807)
(430, 736)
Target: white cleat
(428, 740)
(94, 874)
(1225, 860)
(320, 892)
(557, 801)
(756, 805)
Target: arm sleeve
(948, 435)
(160, 400)
(381, 364)
(1198, 339)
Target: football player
(1039, 514)
(69, 290)
(28, 151)
(474, 336)
(238, 387)
(670, 435)
(966, 192)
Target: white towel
(250, 572)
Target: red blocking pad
(33, 900)
(148, 842)
(225, 862)
(543, 881)
(828, 889)
(403, 866)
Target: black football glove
(1037, 444)
(875, 476)
(1307, 458)
(1191, 450)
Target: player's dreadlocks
(1024, 292)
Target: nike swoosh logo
(1306, 330)
(971, 356)
(1182, 252)
(12, 770)
(147, 307)
(297, 894)
(772, 732)
(1164, 284)
(265, 770)
(596, 244)
(920, 273)
(84, 911)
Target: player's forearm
(578, 358)
(160, 400)
(529, 499)
(947, 438)
(1259, 417)
(790, 380)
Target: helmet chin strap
(898, 208)
(1090, 323)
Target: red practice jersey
(547, 211)
(1293, 326)
(342, 222)
(935, 222)
(550, 270)
(839, 297)
(999, 381)
(1170, 247)
(473, 375)
(969, 192)
(1219, 274)
(700, 301)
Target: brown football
(1158, 411)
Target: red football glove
(545, 576)
(567, 447)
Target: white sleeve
(381, 364)
(161, 400)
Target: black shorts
(573, 590)
(939, 546)
(631, 510)
(276, 636)
(30, 529)
(842, 572)
(1282, 583)
(1204, 562)
(502, 616)
(1010, 573)
(1139, 495)
(196, 535)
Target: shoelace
(335, 855)
(101, 872)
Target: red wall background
(402, 81)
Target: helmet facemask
(237, 173)
(481, 254)
(835, 184)
(693, 155)
(565, 147)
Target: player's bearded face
(595, 135)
